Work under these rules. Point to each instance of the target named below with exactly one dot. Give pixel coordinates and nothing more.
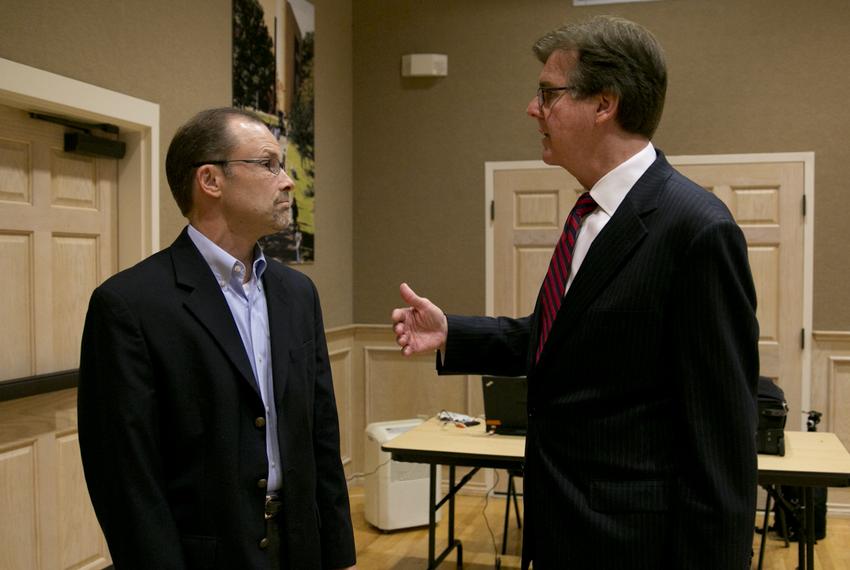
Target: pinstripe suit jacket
(641, 440)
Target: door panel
(57, 235)
(57, 243)
(531, 206)
(766, 200)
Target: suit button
(264, 543)
(260, 422)
(262, 483)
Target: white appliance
(396, 492)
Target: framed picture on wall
(273, 76)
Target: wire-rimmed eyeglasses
(272, 163)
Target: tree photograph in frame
(273, 77)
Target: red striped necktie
(552, 291)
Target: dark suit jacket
(167, 407)
(641, 440)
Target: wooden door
(530, 208)
(766, 199)
(57, 228)
(767, 202)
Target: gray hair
(614, 56)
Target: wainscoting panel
(400, 388)
(81, 544)
(831, 397)
(18, 497)
(341, 368)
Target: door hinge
(492, 210)
(802, 339)
(804, 205)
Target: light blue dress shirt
(247, 302)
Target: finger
(398, 315)
(402, 340)
(410, 297)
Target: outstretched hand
(420, 327)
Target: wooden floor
(408, 549)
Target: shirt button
(262, 483)
(264, 543)
(260, 422)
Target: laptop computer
(505, 404)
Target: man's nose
(285, 181)
(534, 109)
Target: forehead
(557, 68)
(254, 137)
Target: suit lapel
(207, 304)
(610, 250)
(279, 326)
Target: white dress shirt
(247, 302)
(608, 193)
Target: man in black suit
(641, 365)
(207, 420)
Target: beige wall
(175, 54)
(745, 77)
(178, 55)
(754, 76)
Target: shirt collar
(612, 188)
(224, 266)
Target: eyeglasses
(273, 164)
(546, 95)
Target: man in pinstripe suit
(641, 408)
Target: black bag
(791, 503)
(793, 509)
(772, 412)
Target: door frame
(32, 89)
(808, 160)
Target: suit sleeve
(337, 534)
(714, 357)
(119, 439)
(495, 346)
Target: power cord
(487, 521)
(372, 472)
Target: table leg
(808, 494)
(764, 531)
(451, 505)
(801, 530)
(432, 516)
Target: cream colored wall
(333, 269)
(179, 56)
(745, 77)
(173, 54)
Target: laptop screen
(505, 404)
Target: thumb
(410, 297)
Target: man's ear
(607, 105)
(209, 178)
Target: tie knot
(583, 206)
(585, 202)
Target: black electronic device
(505, 404)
